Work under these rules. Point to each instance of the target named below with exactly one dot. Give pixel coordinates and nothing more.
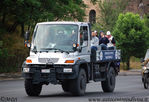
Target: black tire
(32, 89)
(65, 85)
(142, 80)
(146, 82)
(109, 84)
(78, 85)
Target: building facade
(92, 12)
(136, 6)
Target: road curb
(10, 76)
(11, 79)
(132, 72)
(129, 74)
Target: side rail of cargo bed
(108, 55)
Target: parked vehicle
(60, 53)
(145, 70)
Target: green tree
(109, 10)
(19, 15)
(146, 18)
(29, 12)
(131, 35)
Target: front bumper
(54, 76)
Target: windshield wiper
(55, 49)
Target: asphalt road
(127, 87)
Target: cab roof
(64, 22)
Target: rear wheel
(142, 80)
(146, 81)
(109, 84)
(32, 89)
(78, 85)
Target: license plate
(45, 70)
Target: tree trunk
(29, 27)
(128, 63)
(3, 18)
(13, 27)
(22, 29)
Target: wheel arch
(112, 64)
(85, 65)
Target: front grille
(48, 60)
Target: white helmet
(95, 31)
(108, 33)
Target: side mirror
(142, 60)
(77, 48)
(26, 35)
(85, 36)
(26, 38)
(27, 44)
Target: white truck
(60, 53)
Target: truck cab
(60, 53)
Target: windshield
(55, 37)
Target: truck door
(85, 43)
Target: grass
(134, 64)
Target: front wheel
(109, 84)
(146, 81)
(78, 85)
(32, 89)
(65, 85)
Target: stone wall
(90, 7)
(138, 6)
(146, 2)
(133, 6)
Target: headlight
(144, 67)
(25, 70)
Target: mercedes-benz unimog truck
(60, 53)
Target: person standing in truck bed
(94, 41)
(111, 39)
(103, 41)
